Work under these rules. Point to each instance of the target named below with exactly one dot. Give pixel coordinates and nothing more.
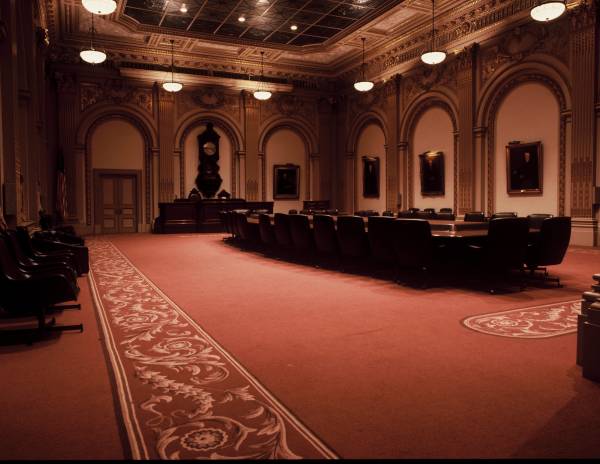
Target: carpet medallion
(542, 321)
(182, 396)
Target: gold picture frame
(524, 168)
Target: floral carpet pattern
(181, 395)
(542, 321)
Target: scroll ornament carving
(289, 106)
(426, 78)
(65, 82)
(116, 92)
(584, 16)
(210, 99)
(522, 42)
(360, 102)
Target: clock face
(209, 148)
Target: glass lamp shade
(172, 86)
(262, 94)
(92, 56)
(433, 57)
(363, 86)
(100, 7)
(548, 11)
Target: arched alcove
(370, 144)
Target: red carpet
(380, 370)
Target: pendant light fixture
(548, 10)
(172, 86)
(91, 55)
(363, 85)
(433, 56)
(261, 93)
(100, 7)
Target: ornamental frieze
(210, 99)
(289, 106)
(114, 91)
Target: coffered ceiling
(210, 40)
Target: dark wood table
(439, 227)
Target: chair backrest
(474, 216)
(414, 210)
(535, 220)
(293, 211)
(503, 215)
(366, 213)
(265, 229)
(506, 244)
(553, 240)
(446, 210)
(283, 236)
(388, 213)
(332, 212)
(380, 237)
(446, 216)
(429, 210)
(407, 214)
(306, 211)
(412, 242)
(242, 223)
(301, 233)
(8, 266)
(426, 214)
(325, 234)
(352, 237)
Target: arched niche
(433, 131)
(285, 145)
(371, 143)
(528, 113)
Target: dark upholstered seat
(407, 214)
(446, 210)
(425, 214)
(352, 237)
(248, 232)
(504, 248)
(302, 236)
(535, 220)
(503, 215)
(548, 248)
(388, 213)
(445, 216)
(282, 230)
(474, 216)
(380, 238)
(325, 234)
(366, 213)
(266, 230)
(412, 243)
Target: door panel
(118, 203)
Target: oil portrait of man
(524, 168)
(432, 173)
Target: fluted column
(583, 63)
(465, 78)
(166, 170)
(392, 109)
(252, 112)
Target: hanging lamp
(433, 56)
(91, 55)
(363, 85)
(172, 85)
(261, 93)
(100, 7)
(548, 10)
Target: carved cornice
(114, 91)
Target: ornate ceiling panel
(286, 22)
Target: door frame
(98, 173)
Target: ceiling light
(548, 10)
(363, 85)
(183, 8)
(433, 56)
(92, 55)
(242, 19)
(101, 7)
(293, 27)
(172, 86)
(261, 93)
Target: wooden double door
(117, 203)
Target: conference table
(440, 228)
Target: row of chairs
(405, 242)
(588, 332)
(38, 275)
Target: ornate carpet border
(542, 321)
(182, 395)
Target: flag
(61, 188)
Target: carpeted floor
(374, 369)
(379, 370)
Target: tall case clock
(208, 180)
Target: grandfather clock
(208, 179)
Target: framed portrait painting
(432, 173)
(370, 176)
(286, 182)
(524, 168)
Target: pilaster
(166, 170)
